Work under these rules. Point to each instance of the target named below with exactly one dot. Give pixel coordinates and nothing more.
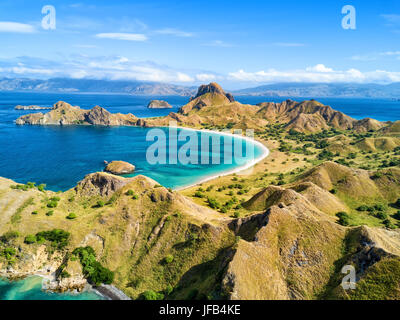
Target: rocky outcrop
(208, 95)
(213, 88)
(100, 183)
(159, 104)
(119, 167)
(65, 114)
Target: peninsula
(327, 197)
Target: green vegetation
(16, 217)
(9, 254)
(151, 295)
(92, 269)
(30, 239)
(58, 238)
(100, 204)
(168, 259)
(343, 218)
(381, 282)
(9, 236)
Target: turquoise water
(31, 289)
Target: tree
(344, 218)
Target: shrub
(168, 290)
(100, 204)
(92, 269)
(381, 215)
(198, 194)
(58, 238)
(41, 187)
(52, 204)
(71, 216)
(56, 199)
(8, 236)
(151, 295)
(363, 208)
(344, 218)
(236, 215)
(388, 224)
(397, 215)
(64, 274)
(35, 213)
(50, 213)
(168, 259)
(334, 191)
(130, 193)
(213, 204)
(30, 239)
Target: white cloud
(319, 68)
(16, 27)
(205, 77)
(318, 73)
(174, 32)
(122, 36)
(218, 43)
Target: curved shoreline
(265, 154)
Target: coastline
(265, 154)
(107, 292)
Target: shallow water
(31, 289)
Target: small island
(159, 104)
(119, 168)
(32, 107)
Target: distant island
(159, 104)
(19, 107)
(143, 88)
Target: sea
(61, 156)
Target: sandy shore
(248, 165)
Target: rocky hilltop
(119, 167)
(65, 114)
(159, 104)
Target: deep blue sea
(62, 156)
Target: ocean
(62, 156)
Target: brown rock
(119, 168)
(159, 104)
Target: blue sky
(237, 43)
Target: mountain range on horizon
(315, 90)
